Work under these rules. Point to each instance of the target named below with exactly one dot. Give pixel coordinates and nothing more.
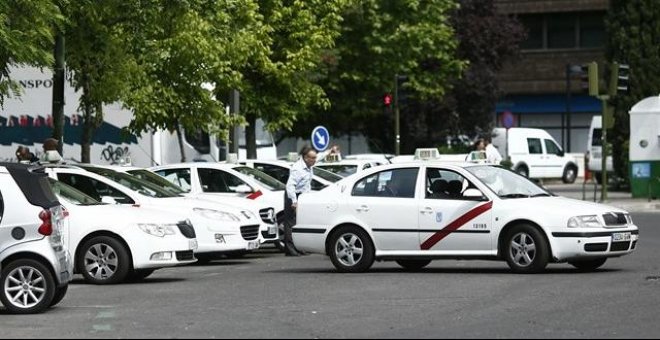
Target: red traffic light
(387, 99)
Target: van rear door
(554, 159)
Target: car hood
(121, 214)
(560, 208)
(187, 204)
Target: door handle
(363, 208)
(426, 210)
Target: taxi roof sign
(426, 154)
(292, 157)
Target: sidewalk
(622, 200)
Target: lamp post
(397, 126)
(571, 70)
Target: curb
(635, 206)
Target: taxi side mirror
(243, 189)
(108, 200)
(473, 194)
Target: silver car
(35, 266)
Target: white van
(595, 149)
(535, 154)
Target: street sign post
(320, 138)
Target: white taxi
(418, 212)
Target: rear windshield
(34, 184)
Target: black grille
(268, 215)
(615, 219)
(250, 232)
(186, 229)
(620, 246)
(267, 236)
(185, 255)
(595, 247)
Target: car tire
(351, 250)
(526, 249)
(60, 293)
(104, 260)
(413, 264)
(40, 291)
(522, 170)
(570, 174)
(588, 265)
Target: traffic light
(589, 76)
(623, 79)
(387, 99)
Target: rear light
(46, 227)
(255, 195)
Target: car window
(267, 181)
(551, 148)
(94, 188)
(71, 194)
(280, 173)
(316, 185)
(218, 181)
(153, 178)
(596, 137)
(445, 184)
(178, 177)
(534, 145)
(398, 183)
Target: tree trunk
(58, 92)
(179, 135)
(251, 136)
(88, 124)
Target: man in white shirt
(300, 181)
(492, 155)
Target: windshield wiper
(542, 195)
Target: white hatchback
(112, 243)
(415, 213)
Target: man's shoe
(291, 254)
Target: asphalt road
(267, 295)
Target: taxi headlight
(158, 230)
(588, 221)
(217, 215)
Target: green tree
(379, 39)
(280, 81)
(633, 38)
(98, 59)
(181, 45)
(26, 37)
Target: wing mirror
(243, 189)
(474, 194)
(108, 200)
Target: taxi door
(385, 203)
(449, 222)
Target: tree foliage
(26, 37)
(633, 38)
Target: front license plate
(253, 245)
(619, 237)
(192, 244)
(272, 230)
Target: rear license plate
(619, 237)
(252, 245)
(192, 244)
(272, 230)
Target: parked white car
(279, 170)
(415, 213)
(219, 229)
(535, 154)
(112, 243)
(226, 180)
(595, 149)
(35, 263)
(268, 225)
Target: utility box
(645, 148)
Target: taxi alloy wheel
(104, 260)
(27, 287)
(526, 250)
(570, 174)
(351, 250)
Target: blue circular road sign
(320, 138)
(508, 119)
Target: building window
(563, 30)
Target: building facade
(542, 88)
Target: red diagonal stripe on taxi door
(457, 223)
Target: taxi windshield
(138, 185)
(269, 182)
(154, 179)
(327, 175)
(343, 170)
(507, 184)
